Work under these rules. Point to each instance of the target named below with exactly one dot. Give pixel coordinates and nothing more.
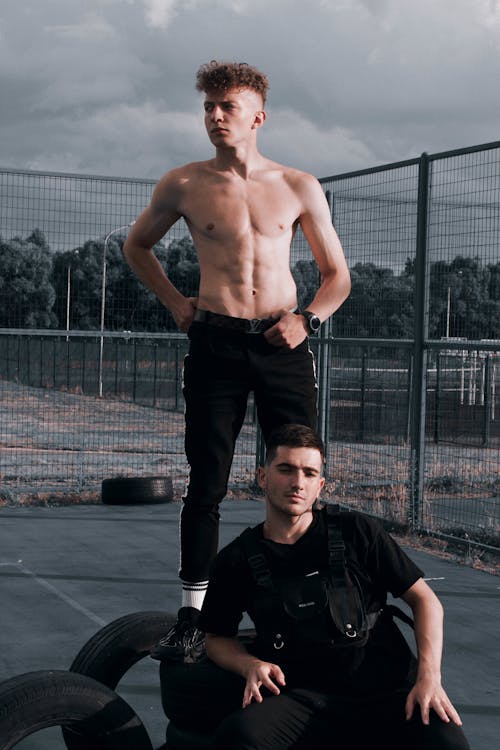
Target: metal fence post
(362, 398)
(437, 397)
(323, 367)
(155, 372)
(84, 363)
(487, 399)
(178, 378)
(421, 327)
(134, 376)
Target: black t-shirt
(380, 565)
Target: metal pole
(437, 397)
(487, 399)
(103, 298)
(362, 402)
(68, 299)
(418, 401)
(448, 311)
(324, 364)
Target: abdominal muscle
(246, 284)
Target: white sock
(193, 593)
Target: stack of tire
(83, 701)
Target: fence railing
(59, 437)
(91, 366)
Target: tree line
(36, 285)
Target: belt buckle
(254, 325)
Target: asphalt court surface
(65, 572)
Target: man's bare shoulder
(305, 186)
(301, 180)
(180, 175)
(176, 183)
(296, 178)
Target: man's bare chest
(223, 212)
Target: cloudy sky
(107, 86)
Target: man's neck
(241, 160)
(286, 529)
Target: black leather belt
(243, 325)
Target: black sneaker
(184, 641)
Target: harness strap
(336, 546)
(346, 606)
(394, 611)
(256, 559)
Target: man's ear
(259, 119)
(321, 485)
(261, 477)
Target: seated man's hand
(429, 694)
(262, 674)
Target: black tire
(114, 649)
(95, 716)
(137, 490)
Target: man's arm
(230, 654)
(428, 692)
(150, 227)
(323, 240)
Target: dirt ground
(57, 447)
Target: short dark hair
(293, 436)
(223, 76)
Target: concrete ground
(67, 571)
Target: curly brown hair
(222, 76)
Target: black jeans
(221, 368)
(204, 698)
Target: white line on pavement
(53, 590)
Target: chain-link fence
(90, 383)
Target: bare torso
(242, 229)
(242, 211)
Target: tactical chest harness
(291, 611)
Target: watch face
(313, 322)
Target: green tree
(129, 305)
(82, 266)
(492, 307)
(182, 266)
(460, 303)
(26, 290)
(306, 277)
(380, 304)
(143, 311)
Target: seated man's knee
(437, 735)
(198, 696)
(238, 732)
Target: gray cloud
(107, 86)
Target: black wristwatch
(312, 320)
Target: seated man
(328, 662)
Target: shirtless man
(245, 331)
